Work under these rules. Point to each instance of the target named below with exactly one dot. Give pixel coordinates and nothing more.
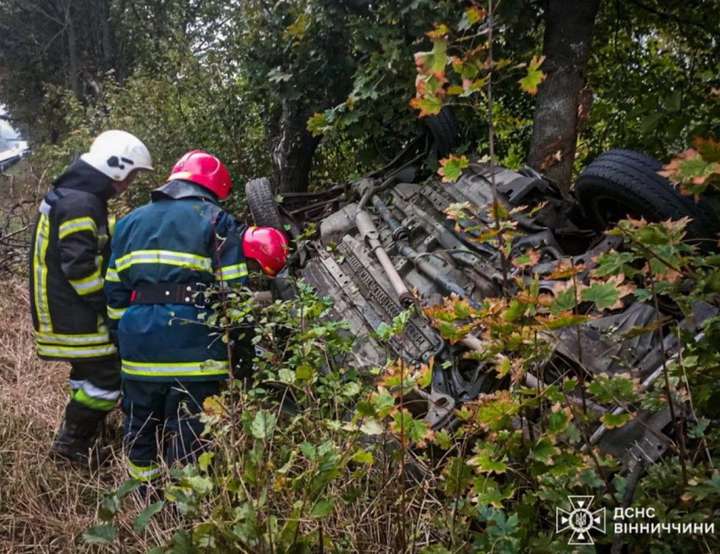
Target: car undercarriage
(388, 243)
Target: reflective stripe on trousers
(71, 352)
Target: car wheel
(444, 130)
(262, 205)
(622, 183)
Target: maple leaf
(440, 31)
(451, 167)
(566, 269)
(608, 294)
(534, 76)
(692, 170)
(708, 148)
(427, 105)
(471, 16)
(529, 258)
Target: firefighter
(164, 255)
(69, 254)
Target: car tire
(624, 182)
(262, 205)
(444, 130)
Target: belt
(192, 294)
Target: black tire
(262, 205)
(444, 130)
(624, 182)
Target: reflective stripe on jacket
(69, 251)
(172, 240)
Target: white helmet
(117, 153)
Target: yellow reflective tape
(42, 238)
(176, 369)
(101, 337)
(76, 351)
(143, 473)
(112, 276)
(88, 285)
(76, 225)
(116, 313)
(112, 221)
(166, 257)
(228, 272)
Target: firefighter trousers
(95, 384)
(162, 420)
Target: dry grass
(43, 507)
(46, 506)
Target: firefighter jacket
(69, 251)
(181, 237)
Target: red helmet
(268, 247)
(201, 168)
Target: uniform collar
(178, 189)
(83, 176)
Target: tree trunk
(293, 150)
(567, 41)
(107, 38)
(74, 63)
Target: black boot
(76, 439)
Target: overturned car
(385, 243)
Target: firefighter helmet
(201, 168)
(117, 153)
(268, 247)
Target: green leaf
(429, 104)
(318, 124)
(372, 427)
(109, 507)
(497, 413)
(604, 295)
(144, 518)
(485, 461)
(457, 476)
(563, 301)
(263, 425)
(443, 439)
(322, 508)
(613, 390)
(697, 431)
(304, 372)
(363, 457)
(127, 487)
(451, 168)
(414, 430)
(615, 263)
(611, 421)
(534, 77)
(558, 421)
(100, 534)
(544, 451)
(351, 389)
(205, 460)
(488, 491)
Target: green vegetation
(310, 455)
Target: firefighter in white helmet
(69, 257)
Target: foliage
(697, 169)
(310, 444)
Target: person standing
(68, 257)
(164, 256)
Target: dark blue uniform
(170, 359)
